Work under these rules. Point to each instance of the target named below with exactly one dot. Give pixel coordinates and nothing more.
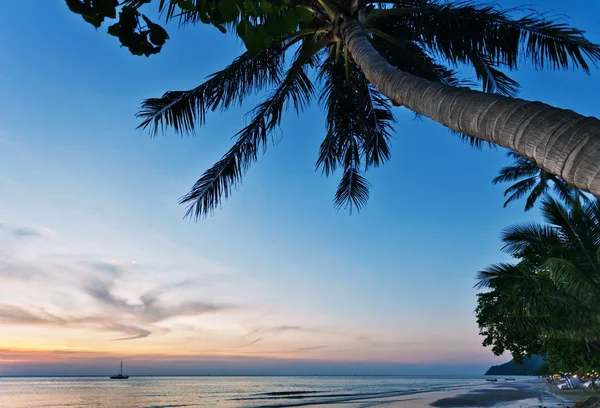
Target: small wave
(168, 406)
(289, 392)
(317, 399)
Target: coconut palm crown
(338, 53)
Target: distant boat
(119, 376)
(491, 379)
(509, 379)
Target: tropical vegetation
(547, 302)
(358, 59)
(533, 182)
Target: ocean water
(226, 392)
(254, 392)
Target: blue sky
(390, 284)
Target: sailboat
(119, 376)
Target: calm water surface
(226, 392)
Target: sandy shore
(573, 395)
(525, 394)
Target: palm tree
(369, 55)
(553, 292)
(533, 180)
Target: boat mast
(121, 367)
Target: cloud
(12, 314)
(19, 270)
(150, 309)
(25, 232)
(133, 332)
(283, 329)
(247, 344)
(27, 316)
(301, 349)
(106, 267)
(100, 290)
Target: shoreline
(524, 394)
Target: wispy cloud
(20, 315)
(301, 349)
(13, 314)
(283, 329)
(19, 270)
(106, 267)
(150, 308)
(133, 332)
(248, 344)
(93, 283)
(25, 232)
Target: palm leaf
(522, 168)
(217, 183)
(574, 280)
(519, 190)
(488, 278)
(378, 120)
(409, 56)
(456, 30)
(493, 80)
(536, 192)
(184, 110)
(530, 238)
(359, 121)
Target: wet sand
(486, 398)
(520, 394)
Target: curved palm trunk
(560, 141)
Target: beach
(528, 393)
(574, 396)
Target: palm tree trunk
(560, 141)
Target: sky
(97, 263)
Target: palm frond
(329, 154)
(522, 168)
(530, 238)
(377, 126)
(495, 33)
(519, 190)
(535, 194)
(184, 110)
(493, 80)
(554, 41)
(486, 277)
(557, 215)
(353, 190)
(341, 146)
(359, 122)
(409, 56)
(572, 279)
(566, 193)
(218, 182)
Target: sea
(225, 392)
